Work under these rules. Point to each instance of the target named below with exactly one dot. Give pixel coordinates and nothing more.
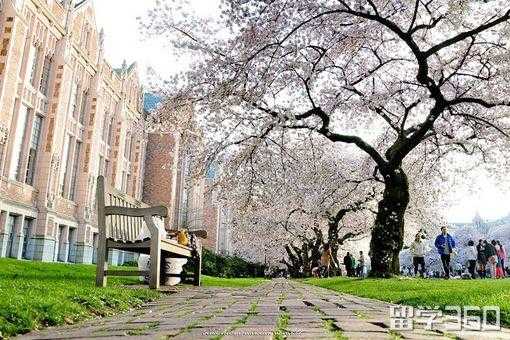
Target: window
(65, 162)
(45, 77)
(131, 144)
(127, 148)
(19, 137)
(74, 174)
(32, 64)
(33, 72)
(105, 127)
(110, 132)
(27, 233)
(10, 232)
(83, 107)
(60, 246)
(74, 100)
(2, 152)
(34, 146)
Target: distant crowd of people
(352, 267)
(485, 260)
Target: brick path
(279, 307)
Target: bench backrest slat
(121, 228)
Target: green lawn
(427, 292)
(34, 295)
(234, 283)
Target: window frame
(73, 181)
(44, 84)
(33, 149)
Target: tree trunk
(315, 247)
(388, 232)
(334, 245)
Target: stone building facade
(66, 116)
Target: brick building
(66, 116)
(192, 202)
(169, 182)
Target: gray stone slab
(367, 336)
(358, 326)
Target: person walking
(418, 250)
(326, 259)
(499, 270)
(501, 252)
(482, 259)
(348, 264)
(492, 258)
(472, 256)
(445, 245)
(361, 265)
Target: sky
(118, 18)
(123, 42)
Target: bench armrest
(136, 212)
(198, 233)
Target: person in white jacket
(471, 257)
(418, 250)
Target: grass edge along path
(211, 281)
(426, 293)
(36, 295)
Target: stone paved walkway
(277, 308)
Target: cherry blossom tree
(391, 80)
(290, 198)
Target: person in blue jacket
(445, 245)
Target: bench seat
(143, 246)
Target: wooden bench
(120, 225)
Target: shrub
(130, 264)
(229, 266)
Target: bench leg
(162, 271)
(155, 264)
(198, 270)
(102, 264)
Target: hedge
(229, 266)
